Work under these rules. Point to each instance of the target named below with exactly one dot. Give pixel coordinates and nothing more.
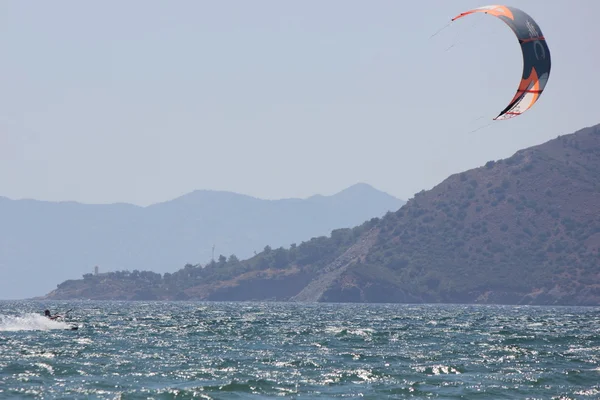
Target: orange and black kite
(536, 56)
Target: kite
(536, 56)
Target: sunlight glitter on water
(250, 350)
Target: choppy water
(259, 350)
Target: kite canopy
(536, 56)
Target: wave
(29, 322)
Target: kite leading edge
(536, 56)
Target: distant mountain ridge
(42, 242)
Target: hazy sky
(142, 101)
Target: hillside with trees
(523, 230)
(43, 242)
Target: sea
(245, 350)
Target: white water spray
(29, 322)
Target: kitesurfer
(47, 314)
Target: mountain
(44, 242)
(523, 230)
